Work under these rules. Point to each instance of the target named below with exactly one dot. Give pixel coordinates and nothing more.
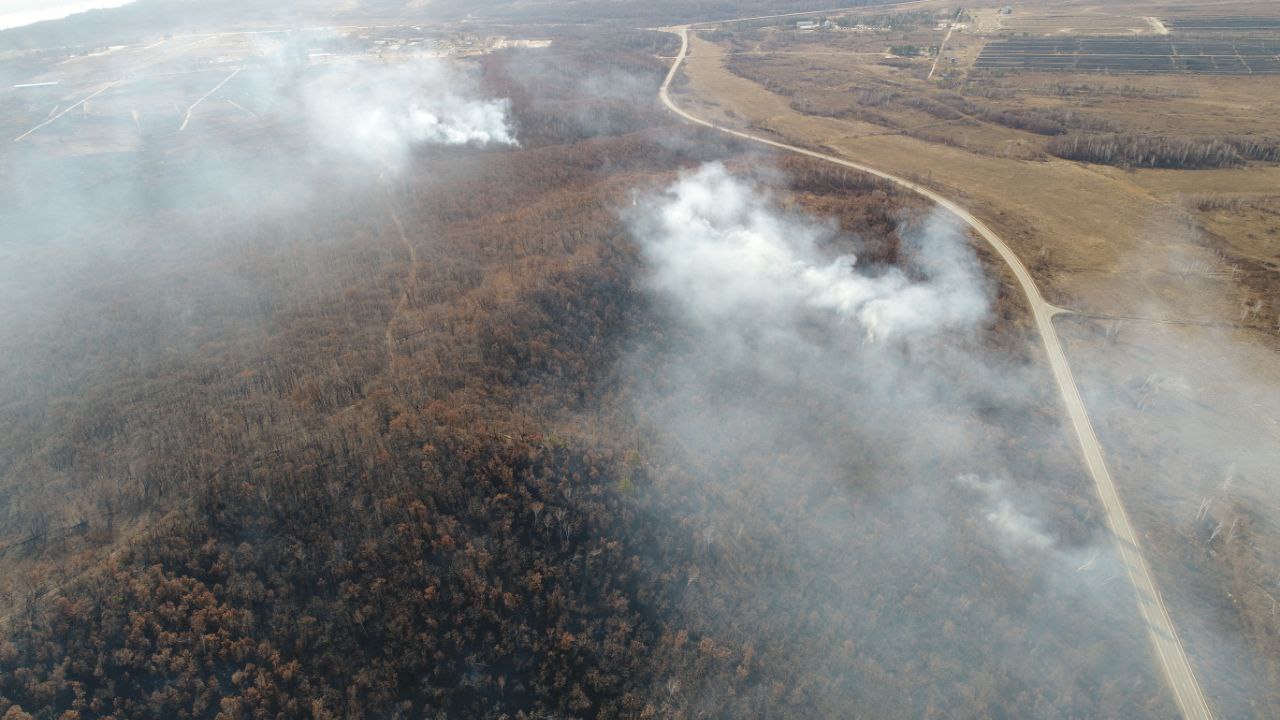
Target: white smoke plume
(828, 406)
(1005, 517)
(382, 114)
(718, 245)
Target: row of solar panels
(1201, 64)
(1135, 47)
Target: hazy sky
(16, 13)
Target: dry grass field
(1173, 273)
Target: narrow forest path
(410, 283)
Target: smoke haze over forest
(389, 359)
(859, 397)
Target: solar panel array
(1134, 55)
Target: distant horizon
(39, 11)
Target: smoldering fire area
(851, 424)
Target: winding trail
(1164, 637)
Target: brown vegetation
(477, 524)
(1164, 152)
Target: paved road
(1164, 638)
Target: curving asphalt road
(1164, 638)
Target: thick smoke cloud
(776, 296)
(718, 248)
(381, 113)
(851, 422)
